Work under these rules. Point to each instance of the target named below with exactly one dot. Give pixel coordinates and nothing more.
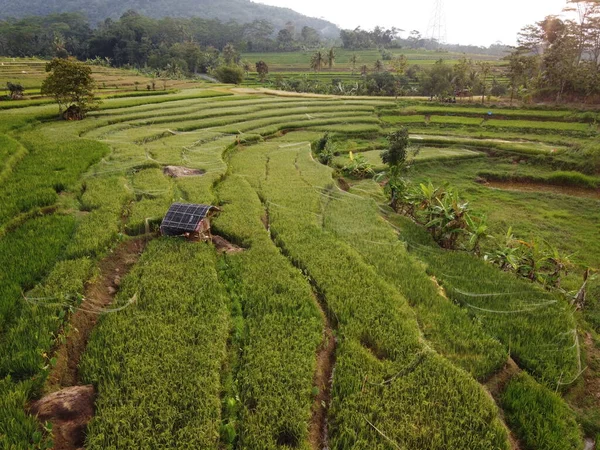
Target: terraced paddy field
(337, 323)
(30, 72)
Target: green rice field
(336, 322)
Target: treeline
(379, 37)
(559, 59)
(140, 41)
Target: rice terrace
(397, 251)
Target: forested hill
(242, 11)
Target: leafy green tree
(399, 64)
(230, 55)
(415, 39)
(460, 79)
(310, 36)
(262, 69)
(437, 81)
(317, 60)
(15, 90)
(285, 39)
(72, 86)
(396, 157)
(247, 67)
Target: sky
(478, 22)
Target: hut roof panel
(183, 217)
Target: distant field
(300, 61)
(30, 73)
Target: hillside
(242, 11)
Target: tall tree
(317, 60)
(230, 55)
(396, 159)
(72, 86)
(353, 62)
(309, 35)
(461, 76)
(485, 69)
(262, 69)
(331, 58)
(399, 64)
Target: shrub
(230, 74)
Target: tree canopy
(71, 84)
(558, 58)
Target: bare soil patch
(180, 172)
(69, 410)
(224, 246)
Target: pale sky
(479, 22)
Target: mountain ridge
(242, 11)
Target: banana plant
(477, 229)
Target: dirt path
(70, 406)
(496, 386)
(318, 428)
(98, 295)
(323, 377)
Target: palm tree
(353, 61)
(331, 58)
(317, 60)
(378, 66)
(364, 70)
(484, 71)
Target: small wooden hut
(188, 220)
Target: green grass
(34, 330)
(219, 352)
(11, 152)
(481, 111)
(525, 125)
(54, 163)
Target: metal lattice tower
(437, 24)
